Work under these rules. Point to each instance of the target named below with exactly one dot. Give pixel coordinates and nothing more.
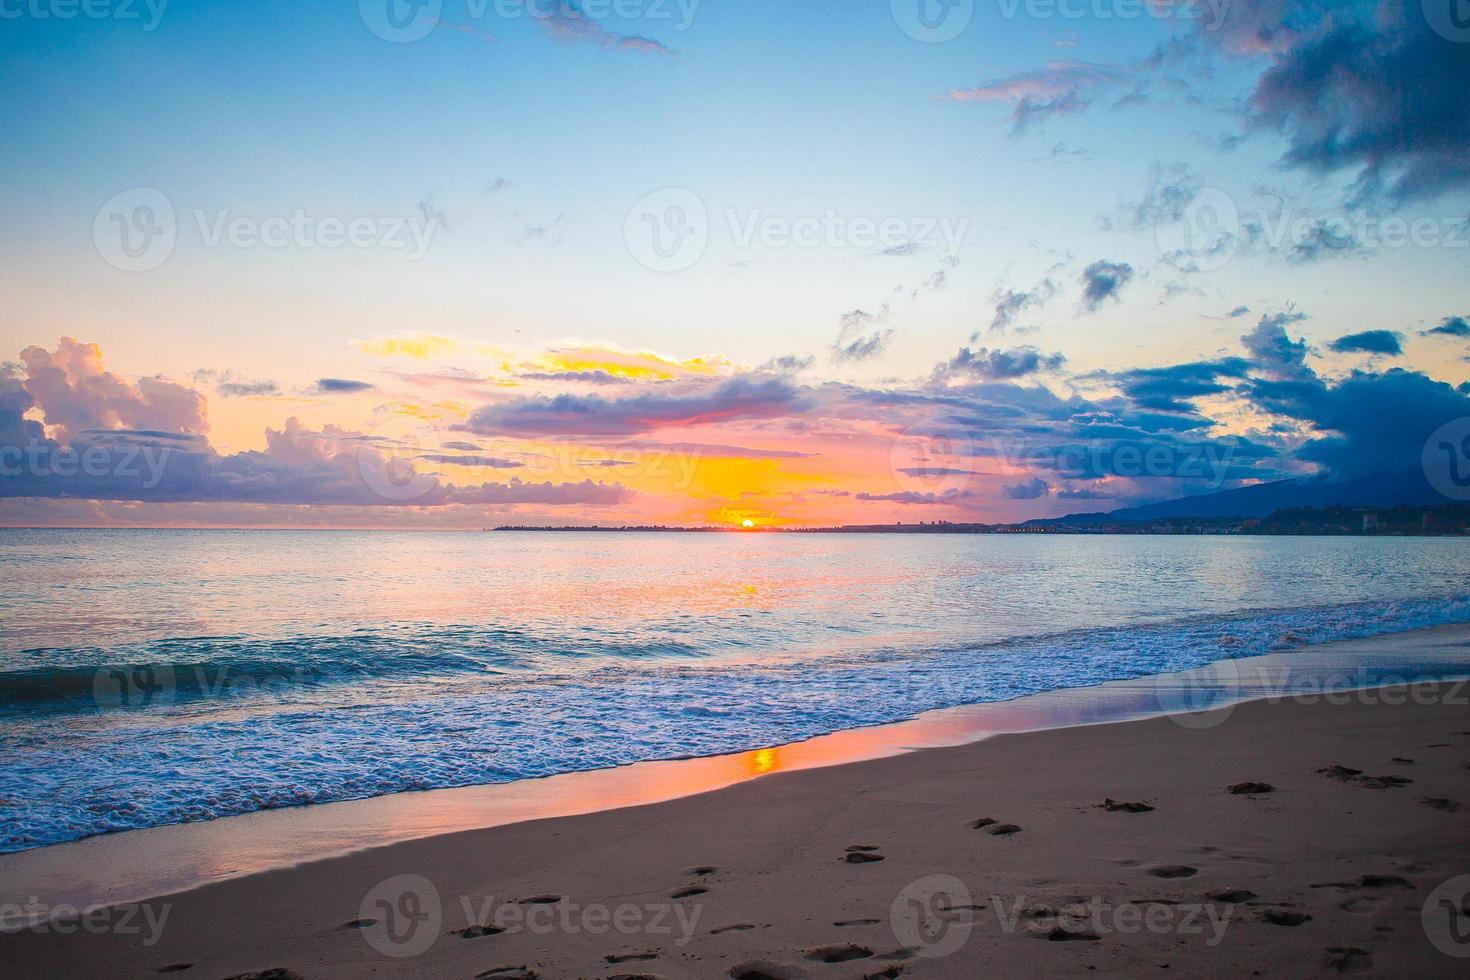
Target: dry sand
(878, 869)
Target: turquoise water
(157, 677)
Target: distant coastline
(1452, 520)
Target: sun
(747, 523)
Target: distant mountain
(1266, 499)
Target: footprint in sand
(275, 973)
(176, 968)
(1285, 917)
(1061, 934)
(995, 828)
(1173, 871)
(702, 871)
(1252, 789)
(689, 892)
(508, 973)
(630, 957)
(846, 923)
(476, 932)
(841, 953)
(1436, 803)
(1403, 761)
(1355, 777)
(763, 970)
(358, 924)
(540, 900)
(862, 854)
(1347, 959)
(1237, 896)
(1113, 806)
(1362, 906)
(742, 927)
(887, 973)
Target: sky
(464, 263)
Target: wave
(164, 767)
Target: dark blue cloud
(341, 386)
(1453, 326)
(1373, 91)
(997, 365)
(1102, 281)
(1370, 342)
(741, 397)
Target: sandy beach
(1302, 837)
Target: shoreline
(1303, 837)
(102, 869)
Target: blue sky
(1048, 143)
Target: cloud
(565, 21)
(488, 462)
(340, 386)
(1033, 489)
(997, 365)
(1102, 281)
(1172, 388)
(741, 397)
(862, 348)
(71, 388)
(246, 389)
(1370, 342)
(1273, 350)
(1453, 326)
(1054, 90)
(1381, 96)
(1011, 303)
(915, 498)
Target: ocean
(150, 678)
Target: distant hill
(1265, 499)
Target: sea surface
(158, 677)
